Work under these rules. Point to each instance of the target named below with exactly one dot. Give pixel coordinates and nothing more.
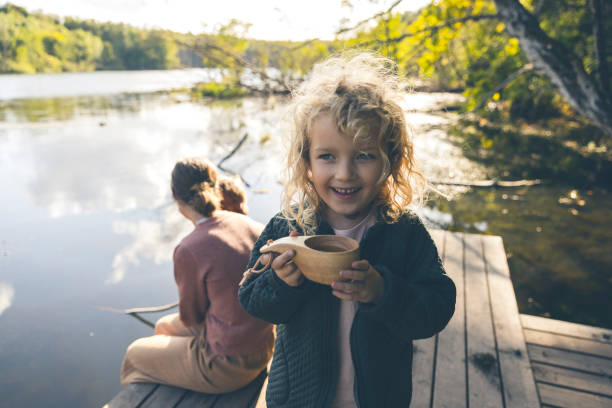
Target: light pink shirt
(344, 397)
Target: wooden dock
(487, 356)
(480, 359)
(572, 363)
(149, 395)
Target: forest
(533, 60)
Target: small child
(233, 197)
(351, 172)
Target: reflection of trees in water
(83, 167)
(34, 110)
(509, 153)
(557, 242)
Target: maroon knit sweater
(208, 264)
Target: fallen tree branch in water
(134, 312)
(488, 183)
(206, 48)
(230, 154)
(153, 309)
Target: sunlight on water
(7, 293)
(152, 240)
(100, 83)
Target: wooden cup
(319, 257)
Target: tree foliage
(452, 44)
(461, 44)
(32, 43)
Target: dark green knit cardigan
(418, 301)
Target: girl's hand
(362, 283)
(284, 267)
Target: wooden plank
(592, 383)
(438, 236)
(424, 352)
(517, 379)
(483, 371)
(450, 372)
(422, 371)
(568, 343)
(132, 395)
(566, 328)
(197, 399)
(567, 398)
(164, 396)
(246, 397)
(569, 359)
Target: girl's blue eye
(365, 156)
(326, 156)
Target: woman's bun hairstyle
(194, 182)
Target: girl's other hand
(362, 283)
(285, 268)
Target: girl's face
(344, 176)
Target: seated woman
(211, 345)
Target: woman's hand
(361, 283)
(284, 267)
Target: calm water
(87, 223)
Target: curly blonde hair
(361, 93)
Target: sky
(271, 19)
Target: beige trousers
(180, 356)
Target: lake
(88, 225)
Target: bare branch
(489, 183)
(448, 23)
(432, 29)
(502, 85)
(154, 309)
(238, 60)
(234, 150)
(367, 20)
(230, 154)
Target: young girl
(211, 345)
(351, 172)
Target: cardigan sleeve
(419, 298)
(193, 300)
(265, 295)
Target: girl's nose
(345, 170)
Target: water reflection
(7, 293)
(91, 223)
(152, 240)
(559, 259)
(124, 165)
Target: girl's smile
(345, 176)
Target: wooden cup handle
(253, 269)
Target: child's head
(360, 93)
(194, 182)
(233, 197)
